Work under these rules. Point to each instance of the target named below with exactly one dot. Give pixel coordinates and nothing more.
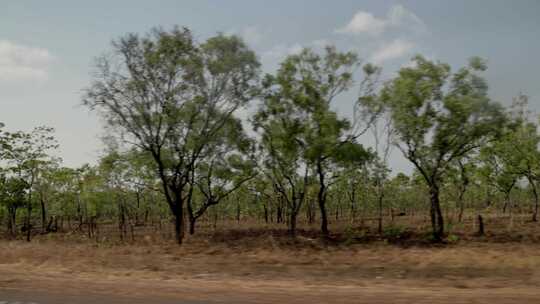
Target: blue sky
(47, 47)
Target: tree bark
(28, 216)
(506, 202)
(380, 219)
(265, 213)
(179, 222)
(292, 223)
(310, 212)
(321, 199)
(461, 206)
(480, 225)
(121, 221)
(279, 212)
(12, 220)
(535, 194)
(437, 221)
(192, 222)
(462, 190)
(43, 214)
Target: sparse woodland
(200, 141)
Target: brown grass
(265, 256)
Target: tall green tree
(517, 150)
(439, 117)
(170, 97)
(226, 164)
(13, 197)
(298, 103)
(27, 157)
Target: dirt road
(52, 272)
(363, 295)
(8, 296)
(51, 288)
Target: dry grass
(266, 254)
(264, 257)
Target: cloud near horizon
(397, 17)
(392, 50)
(22, 63)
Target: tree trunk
(324, 216)
(380, 205)
(353, 213)
(179, 221)
(437, 221)
(121, 221)
(28, 216)
(310, 211)
(279, 213)
(192, 222)
(535, 194)
(321, 199)
(43, 214)
(506, 202)
(138, 198)
(292, 223)
(215, 220)
(12, 220)
(265, 213)
(461, 205)
(480, 225)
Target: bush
(352, 234)
(393, 232)
(452, 238)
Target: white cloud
(393, 50)
(363, 22)
(397, 17)
(400, 16)
(18, 62)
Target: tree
(517, 149)
(460, 173)
(13, 196)
(26, 157)
(380, 125)
(299, 98)
(170, 97)
(227, 163)
(498, 174)
(44, 188)
(354, 183)
(439, 117)
(282, 122)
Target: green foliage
(299, 130)
(352, 234)
(452, 238)
(178, 144)
(394, 232)
(171, 97)
(438, 118)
